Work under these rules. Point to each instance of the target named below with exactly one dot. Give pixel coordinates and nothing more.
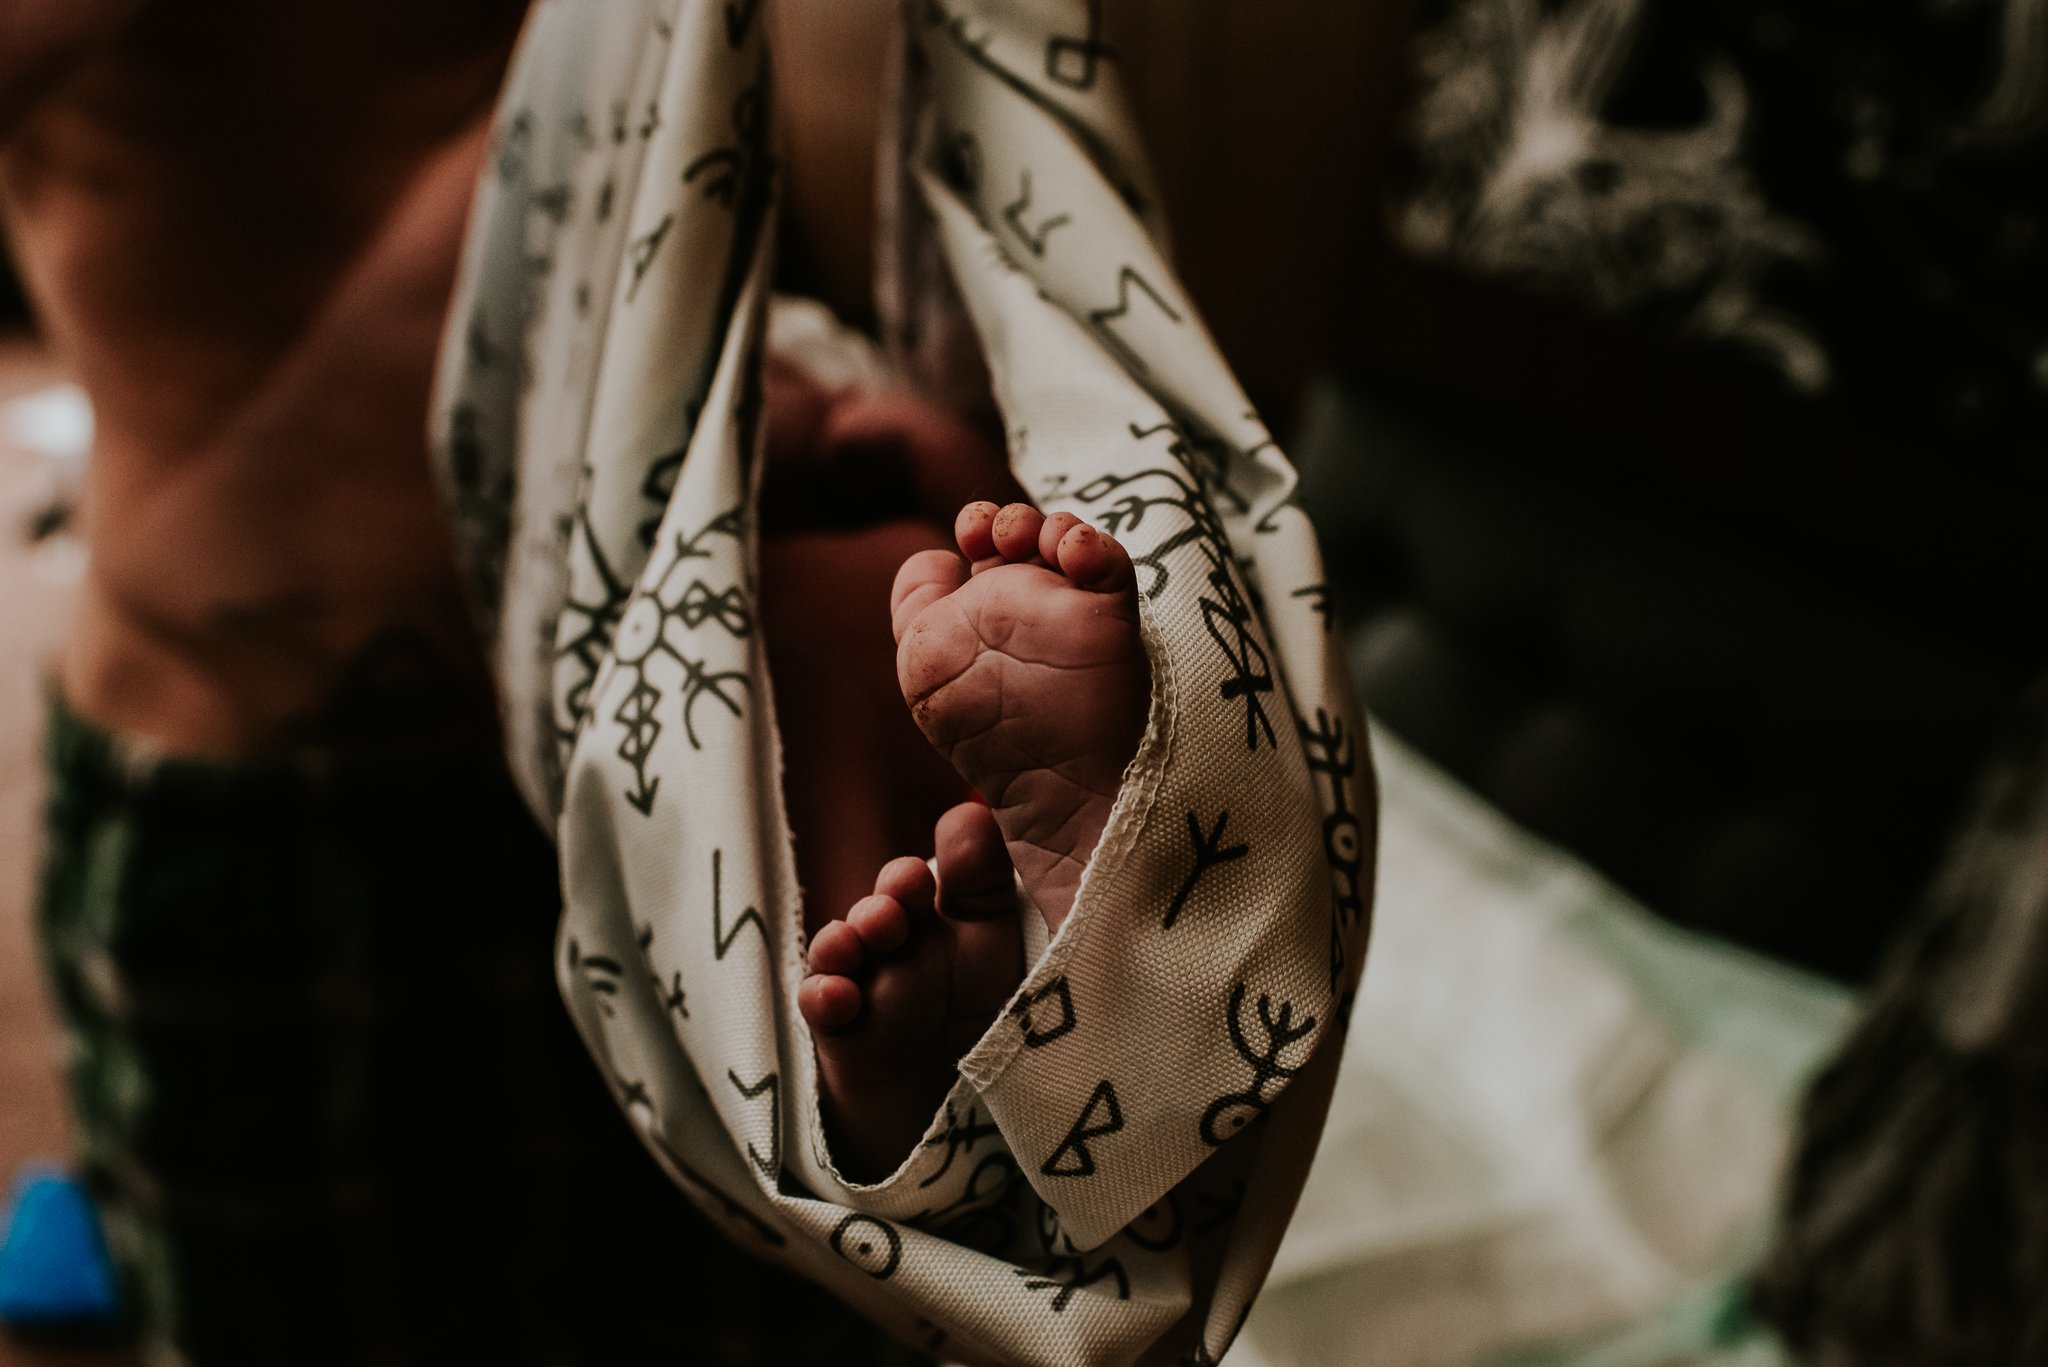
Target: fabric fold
(1110, 1177)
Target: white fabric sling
(1110, 1177)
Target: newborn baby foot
(1023, 666)
(904, 984)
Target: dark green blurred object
(331, 1106)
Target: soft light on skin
(55, 423)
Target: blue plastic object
(54, 1268)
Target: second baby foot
(902, 985)
(1021, 661)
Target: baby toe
(908, 879)
(974, 530)
(836, 948)
(1095, 560)
(1015, 532)
(1049, 537)
(976, 879)
(828, 1002)
(924, 579)
(881, 922)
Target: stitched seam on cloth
(1129, 819)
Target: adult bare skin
(239, 223)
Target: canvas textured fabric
(1111, 1175)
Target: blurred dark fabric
(1682, 478)
(329, 1101)
(1683, 487)
(1916, 1228)
(1846, 199)
(1753, 750)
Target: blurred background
(1670, 383)
(1687, 371)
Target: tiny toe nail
(973, 529)
(1049, 536)
(881, 923)
(1016, 531)
(829, 1002)
(908, 879)
(835, 949)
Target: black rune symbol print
(1206, 458)
(1101, 1116)
(515, 144)
(1061, 54)
(671, 995)
(1071, 62)
(961, 1135)
(1122, 502)
(1318, 596)
(659, 486)
(1046, 1014)
(553, 201)
(483, 353)
(1230, 1113)
(641, 726)
(722, 936)
(632, 1094)
(869, 1244)
(1131, 507)
(600, 975)
(1067, 1276)
(1209, 852)
(1100, 319)
(586, 627)
(1330, 753)
(702, 603)
(1032, 236)
(653, 628)
(640, 252)
(722, 186)
(726, 168)
(1228, 619)
(768, 1085)
(482, 494)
